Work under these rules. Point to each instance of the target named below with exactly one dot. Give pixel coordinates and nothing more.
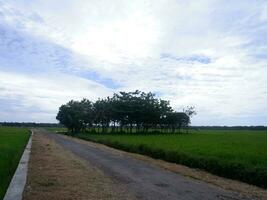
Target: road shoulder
(55, 173)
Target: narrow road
(145, 181)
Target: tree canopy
(131, 111)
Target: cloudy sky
(211, 54)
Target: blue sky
(211, 54)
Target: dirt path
(127, 174)
(55, 173)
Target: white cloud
(45, 93)
(124, 41)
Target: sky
(210, 54)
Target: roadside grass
(240, 155)
(12, 143)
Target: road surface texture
(55, 173)
(144, 180)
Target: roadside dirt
(250, 191)
(55, 173)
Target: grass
(12, 143)
(240, 155)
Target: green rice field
(12, 143)
(235, 154)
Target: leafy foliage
(136, 110)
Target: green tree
(71, 116)
(124, 111)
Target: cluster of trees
(125, 111)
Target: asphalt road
(145, 181)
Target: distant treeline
(30, 124)
(56, 125)
(229, 127)
(125, 111)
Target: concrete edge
(17, 184)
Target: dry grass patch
(55, 173)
